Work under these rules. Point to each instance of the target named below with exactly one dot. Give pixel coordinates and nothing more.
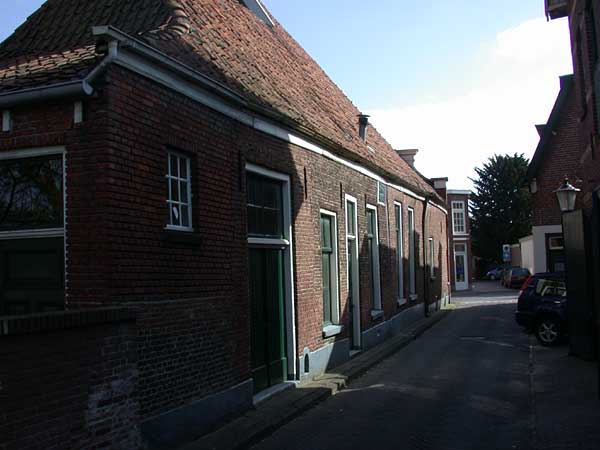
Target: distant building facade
(460, 256)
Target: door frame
(288, 264)
(356, 326)
(466, 265)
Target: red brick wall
(68, 381)
(561, 157)
(590, 134)
(190, 291)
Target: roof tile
(220, 38)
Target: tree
(500, 207)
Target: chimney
(408, 155)
(440, 186)
(540, 129)
(363, 123)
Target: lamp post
(566, 195)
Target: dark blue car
(542, 307)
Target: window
(32, 268)
(412, 254)
(458, 218)
(352, 272)
(179, 185)
(265, 211)
(373, 248)
(399, 252)
(555, 243)
(329, 268)
(431, 259)
(31, 193)
(381, 193)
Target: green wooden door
(269, 363)
(31, 276)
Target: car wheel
(492, 277)
(547, 331)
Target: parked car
(542, 307)
(505, 275)
(495, 274)
(516, 277)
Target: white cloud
(513, 90)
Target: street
(465, 384)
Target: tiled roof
(220, 38)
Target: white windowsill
(332, 330)
(376, 314)
(27, 234)
(402, 301)
(413, 297)
(176, 228)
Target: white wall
(527, 253)
(539, 246)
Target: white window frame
(333, 269)
(288, 262)
(460, 210)
(41, 232)
(431, 258)
(381, 187)
(189, 197)
(376, 271)
(399, 227)
(353, 240)
(412, 255)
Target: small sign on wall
(506, 253)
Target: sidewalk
(565, 400)
(273, 413)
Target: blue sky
(459, 79)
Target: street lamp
(566, 194)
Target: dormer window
(363, 123)
(257, 8)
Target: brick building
(557, 156)
(581, 227)
(187, 193)
(460, 259)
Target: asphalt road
(463, 385)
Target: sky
(461, 80)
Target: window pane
(185, 216)
(370, 222)
(173, 165)
(326, 233)
(174, 190)
(350, 213)
(31, 194)
(175, 215)
(183, 167)
(183, 186)
(265, 211)
(326, 265)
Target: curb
(258, 424)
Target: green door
(269, 363)
(31, 276)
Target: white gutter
(121, 51)
(78, 88)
